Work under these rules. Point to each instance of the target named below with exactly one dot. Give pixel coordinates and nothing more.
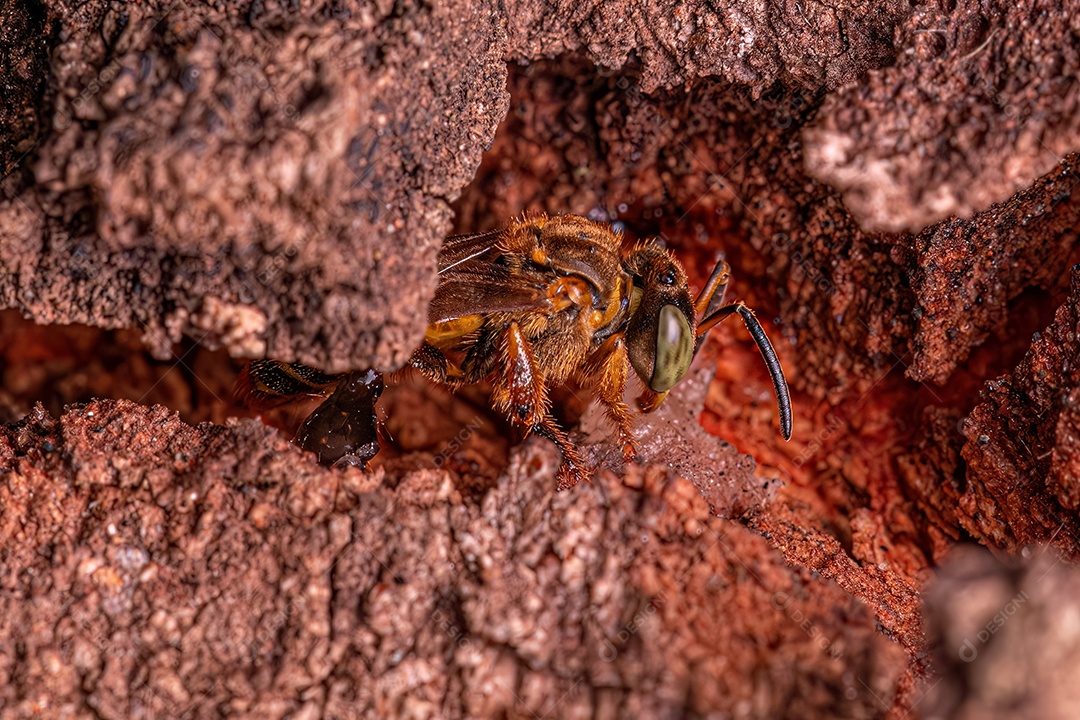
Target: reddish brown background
(891, 185)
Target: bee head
(662, 329)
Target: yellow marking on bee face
(444, 333)
(540, 257)
(652, 401)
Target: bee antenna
(768, 353)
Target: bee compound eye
(667, 277)
(674, 349)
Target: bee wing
(473, 282)
(464, 294)
(467, 253)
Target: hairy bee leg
(572, 469)
(430, 361)
(772, 362)
(519, 390)
(710, 300)
(711, 297)
(611, 363)
(266, 384)
(432, 364)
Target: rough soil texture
(156, 569)
(236, 174)
(276, 179)
(672, 436)
(980, 102)
(1006, 637)
(1025, 427)
(753, 44)
(24, 50)
(965, 273)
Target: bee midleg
(609, 366)
(518, 385)
(572, 469)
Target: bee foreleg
(609, 365)
(711, 297)
(519, 389)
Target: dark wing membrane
(462, 294)
(472, 281)
(468, 253)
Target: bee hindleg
(572, 470)
(429, 360)
(265, 384)
(519, 389)
(610, 365)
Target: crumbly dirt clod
(1023, 428)
(195, 570)
(752, 44)
(981, 101)
(965, 273)
(24, 57)
(273, 180)
(1005, 642)
(671, 436)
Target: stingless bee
(550, 299)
